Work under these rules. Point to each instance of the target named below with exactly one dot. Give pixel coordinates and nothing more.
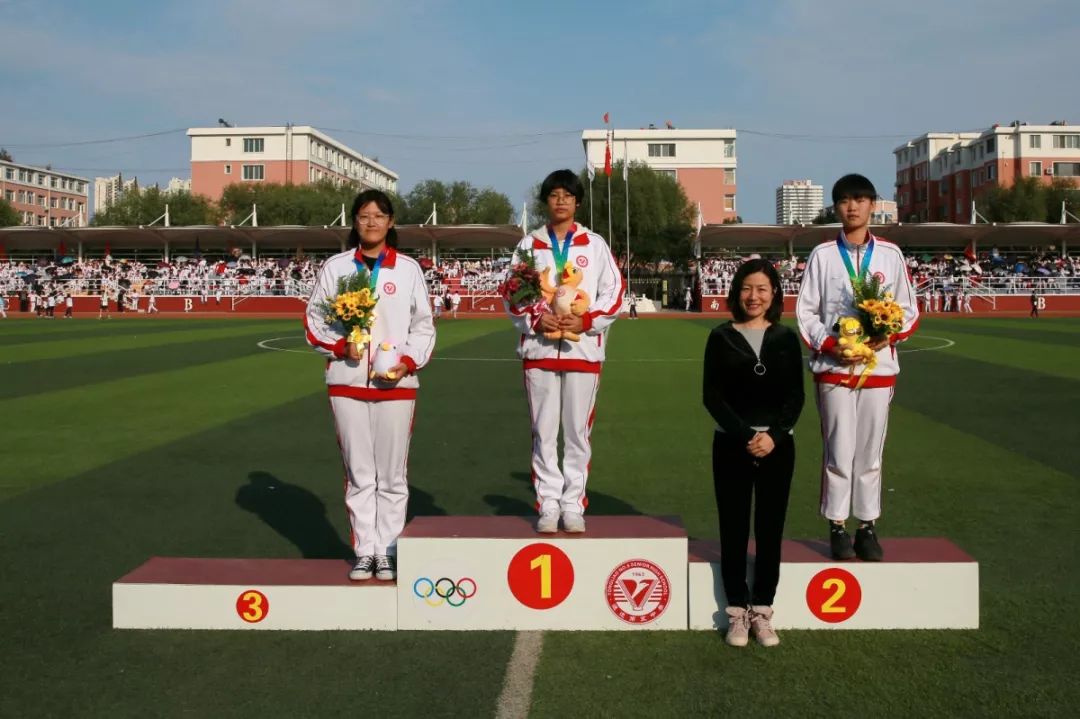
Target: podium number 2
(833, 595)
(252, 606)
(540, 576)
(829, 606)
(543, 563)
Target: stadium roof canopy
(924, 235)
(213, 237)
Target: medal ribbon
(562, 254)
(374, 273)
(846, 257)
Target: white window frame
(731, 171)
(733, 207)
(248, 173)
(1075, 169)
(228, 169)
(257, 145)
(1035, 168)
(1035, 142)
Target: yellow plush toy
(566, 299)
(853, 347)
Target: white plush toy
(386, 357)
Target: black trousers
(737, 476)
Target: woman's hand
(395, 373)
(549, 322)
(352, 351)
(760, 445)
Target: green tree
(141, 207)
(1059, 191)
(8, 216)
(1029, 200)
(458, 203)
(309, 204)
(661, 218)
(826, 217)
(5, 155)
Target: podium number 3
(833, 595)
(252, 606)
(543, 563)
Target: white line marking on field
(516, 696)
(266, 345)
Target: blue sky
(497, 92)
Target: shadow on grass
(518, 506)
(293, 512)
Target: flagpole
(590, 172)
(626, 178)
(610, 231)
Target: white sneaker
(548, 522)
(384, 568)
(362, 568)
(573, 522)
(738, 630)
(761, 623)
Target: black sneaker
(866, 544)
(385, 570)
(362, 568)
(840, 542)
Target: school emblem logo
(582, 261)
(880, 277)
(389, 288)
(637, 591)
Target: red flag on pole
(63, 250)
(607, 117)
(108, 250)
(607, 156)
(969, 251)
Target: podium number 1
(827, 589)
(543, 563)
(546, 563)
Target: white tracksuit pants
(374, 439)
(568, 398)
(853, 427)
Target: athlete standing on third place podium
(373, 415)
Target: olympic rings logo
(445, 590)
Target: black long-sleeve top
(737, 398)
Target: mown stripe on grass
(85, 328)
(58, 348)
(54, 435)
(50, 375)
(1050, 360)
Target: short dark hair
(382, 201)
(772, 314)
(562, 180)
(853, 185)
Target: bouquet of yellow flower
(879, 315)
(353, 307)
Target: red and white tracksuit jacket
(373, 418)
(562, 378)
(853, 422)
(826, 295)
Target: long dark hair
(745, 270)
(382, 201)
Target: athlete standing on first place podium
(562, 377)
(374, 415)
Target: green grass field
(125, 439)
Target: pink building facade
(221, 156)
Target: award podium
(627, 573)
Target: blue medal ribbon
(374, 273)
(562, 254)
(846, 257)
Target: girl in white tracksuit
(853, 421)
(373, 416)
(562, 377)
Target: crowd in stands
(125, 280)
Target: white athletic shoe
(548, 522)
(362, 568)
(573, 522)
(761, 625)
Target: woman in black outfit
(753, 388)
